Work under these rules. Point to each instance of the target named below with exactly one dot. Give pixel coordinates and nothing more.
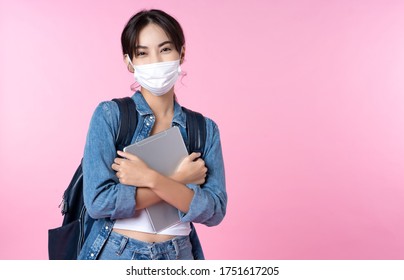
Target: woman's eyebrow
(140, 47)
(163, 43)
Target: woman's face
(154, 46)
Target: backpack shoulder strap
(196, 131)
(127, 123)
(196, 126)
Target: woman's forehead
(152, 35)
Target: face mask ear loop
(130, 62)
(135, 85)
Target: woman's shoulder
(211, 125)
(107, 107)
(107, 110)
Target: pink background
(309, 97)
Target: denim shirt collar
(144, 109)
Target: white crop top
(141, 222)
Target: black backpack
(65, 242)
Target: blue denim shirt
(106, 199)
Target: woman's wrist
(154, 178)
(176, 177)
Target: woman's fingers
(194, 156)
(127, 155)
(115, 166)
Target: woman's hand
(132, 171)
(192, 170)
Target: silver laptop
(163, 152)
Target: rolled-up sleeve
(209, 203)
(104, 196)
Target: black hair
(130, 34)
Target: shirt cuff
(125, 202)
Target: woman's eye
(140, 54)
(166, 50)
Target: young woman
(118, 186)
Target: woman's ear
(182, 55)
(127, 61)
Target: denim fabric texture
(120, 247)
(107, 200)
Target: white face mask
(158, 78)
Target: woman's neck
(162, 106)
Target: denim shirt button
(92, 254)
(106, 227)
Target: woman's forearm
(145, 197)
(171, 191)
